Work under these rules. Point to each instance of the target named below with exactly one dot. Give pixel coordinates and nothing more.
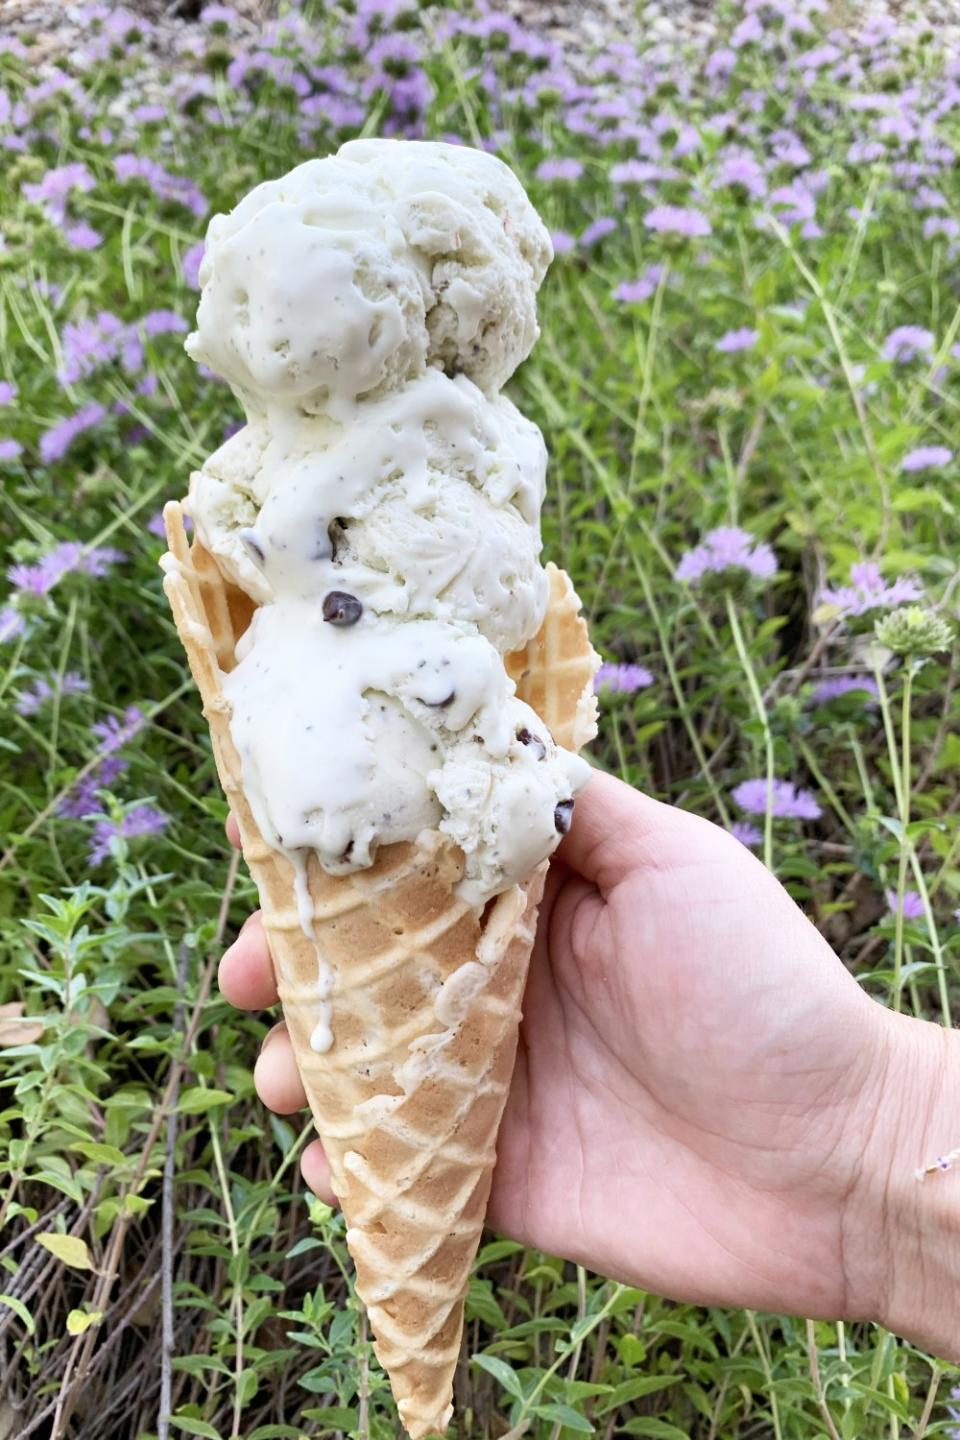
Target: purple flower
(597, 230)
(799, 205)
(82, 799)
(634, 291)
(674, 220)
(191, 266)
(837, 685)
(10, 449)
(735, 340)
(559, 168)
(163, 322)
(906, 343)
(727, 548)
(89, 343)
(30, 701)
(81, 236)
(56, 441)
(912, 904)
(165, 186)
(114, 732)
(740, 168)
(869, 591)
(69, 555)
(926, 457)
(52, 191)
(944, 225)
(641, 172)
(8, 392)
(562, 241)
(217, 15)
(622, 677)
(786, 801)
(748, 32)
(39, 579)
(11, 624)
(746, 833)
(141, 820)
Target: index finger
(233, 830)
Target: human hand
(705, 1103)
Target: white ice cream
(382, 506)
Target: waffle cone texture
(426, 1002)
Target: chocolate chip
(248, 538)
(341, 609)
(563, 816)
(335, 532)
(527, 737)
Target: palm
(688, 1043)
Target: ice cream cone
(423, 1003)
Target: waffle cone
(425, 1003)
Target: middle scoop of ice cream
(427, 505)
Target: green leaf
(501, 1372)
(199, 1099)
(333, 1417)
(634, 1389)
(64, 1183)
(565, 1416)
(99, 1153)
(80, 1320)
(18, 1308)
(68, 1248)
(195, 1427)
(654, 1428)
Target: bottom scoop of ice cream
(356, 731)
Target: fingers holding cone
(247, 980)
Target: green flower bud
(913, 630)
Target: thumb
(617, 829)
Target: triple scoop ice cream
(381, 506)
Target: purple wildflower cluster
(67, 557)
(36, 580)
(136, 821)
(868, 591)
(43, 692)
(727, 550)
(636, 291)
(736, 340)
(625, 679)
(52, 194)
(84, 802)
(786, 800)
(837, 686)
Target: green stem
(759, 706)
(887, 715)
(904, 839)
(767, 1372)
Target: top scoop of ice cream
(350, 275)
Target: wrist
(902, 1235)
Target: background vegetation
(752, 322)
